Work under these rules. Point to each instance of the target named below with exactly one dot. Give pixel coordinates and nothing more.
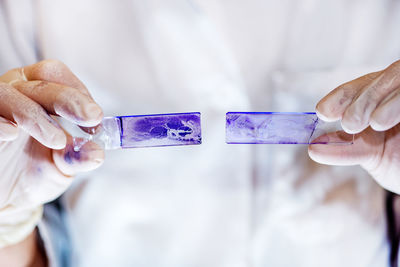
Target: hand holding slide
(368, 107)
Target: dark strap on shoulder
(393, 230)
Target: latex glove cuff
(13, 232)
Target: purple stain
(174, 123)
(274, 128)
(184, 130)
(160, 130)
(143, 125)
(71, 155)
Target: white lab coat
(215, 205)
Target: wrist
(28, 252)
(18, 226)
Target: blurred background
(214, 204)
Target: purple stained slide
(174, 129)
(278, 128)
(160, 130)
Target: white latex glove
(37, 160)
(370, 108)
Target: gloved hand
(37, 160)
(370, 108)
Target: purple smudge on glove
(160, 130)
(70, 155)
(275, 127)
